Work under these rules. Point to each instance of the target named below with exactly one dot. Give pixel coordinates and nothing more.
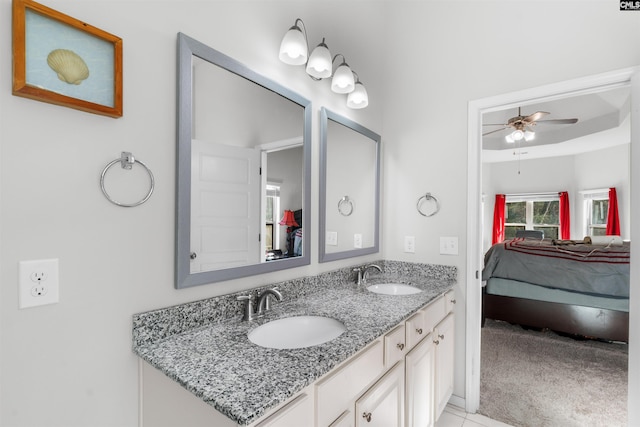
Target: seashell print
(69, 66)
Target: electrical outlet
(357, 240)
(410, 244)
(38, 283)
(332, 238)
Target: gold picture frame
(61, 60)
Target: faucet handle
(248, 306)
(359, 271)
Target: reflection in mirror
(349, 188)
(243, 160)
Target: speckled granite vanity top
(204, 346)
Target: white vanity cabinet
(383, 404)
(402, 379)
(429, 363)
(443, 336)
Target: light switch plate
(357, 240)
(449, 245)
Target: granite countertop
(222, 367)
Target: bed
(569, 287)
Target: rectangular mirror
(244, 159)
(349, 188)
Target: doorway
(474, 262)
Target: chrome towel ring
(428, 197)
(345, 206)
(127, 161)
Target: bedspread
(590, 269)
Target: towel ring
(126, 161)
(345, 206)
(428, 197)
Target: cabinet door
(419, 397)
(299, 412)
(345, 420)
(383, 404)
(444, 339)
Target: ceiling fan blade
(494, 131)
(535, 116)
(494, 124)
(559, 121)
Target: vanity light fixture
(294, 50)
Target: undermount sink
(296, 332)
(393, 289)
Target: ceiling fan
(522, 125)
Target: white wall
(71, 364)
(74, 358)
(451, 53)
(597, 169)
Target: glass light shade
(319, 65)
(518, 135)
(293, 49)
(343, 81)
(358, 98)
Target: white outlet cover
(410, 244)
(38, 283)
(332, 238)
(357, 240)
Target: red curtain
(565, 218)
(498, 219)
(613, 220)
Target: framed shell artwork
(61, 60)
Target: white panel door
(225, 206)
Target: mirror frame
(323, 256)
(187, 48)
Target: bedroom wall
(597, 169)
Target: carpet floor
(540, 379)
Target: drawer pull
(441, 337)
(367, 416)
(400, 346)
(419, 331)
(453, 301)
(436, 342)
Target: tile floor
(456, 417)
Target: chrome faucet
(263, 300)
(362, 272)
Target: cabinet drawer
(450, 300)
(416, 329)
(394, 346)
(334, 393)
(434, 313)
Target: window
(596, 210)
(540, 212)
(272, 209)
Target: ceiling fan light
(293, 49)
(319, 65)
(517, 135)
(529, 136)
(343, 81)
(358, 98)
